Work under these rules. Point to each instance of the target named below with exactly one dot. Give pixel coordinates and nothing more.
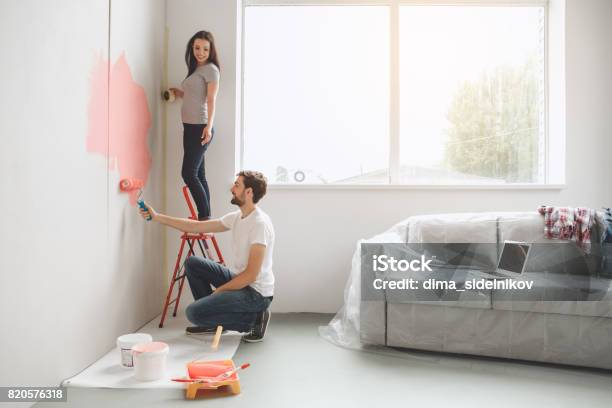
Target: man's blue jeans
(234, 310)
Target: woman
(199, 92)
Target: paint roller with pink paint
(132, 184)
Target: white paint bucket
(150, 360)
(125, 344)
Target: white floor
(295, 367)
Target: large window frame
(554, 176)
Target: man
(242, 292)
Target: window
(395, 92)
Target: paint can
(150, 360)
(125, 344)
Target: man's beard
(236, 201)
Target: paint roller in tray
(217, 378)
(133, 184)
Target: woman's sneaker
(259, 330)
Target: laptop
(512, 261)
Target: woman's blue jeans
(193, 171)
(234, 310)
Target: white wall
(77, 266)
(317, 229)
(136, 257)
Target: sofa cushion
(521, 226)
(472, 299)
(567, 294)
(555, 338)
(459, 227)
(472, 238)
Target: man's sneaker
(259, 330)
(201, 330)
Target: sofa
(566, 320)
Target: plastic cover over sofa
(567, 319)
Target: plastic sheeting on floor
(107, 372)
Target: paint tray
(196, 369)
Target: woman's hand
(177, 92)
(149, 212)
(206, 135)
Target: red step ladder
(178, 277)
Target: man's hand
(149, 212)
(249, 275)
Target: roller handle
(142, 205)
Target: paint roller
(169, 95)
(132, 184)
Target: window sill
(416, 187)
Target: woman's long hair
(190, 60)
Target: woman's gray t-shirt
(195, 88)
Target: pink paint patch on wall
(121, 132)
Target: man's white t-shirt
(255, 228)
